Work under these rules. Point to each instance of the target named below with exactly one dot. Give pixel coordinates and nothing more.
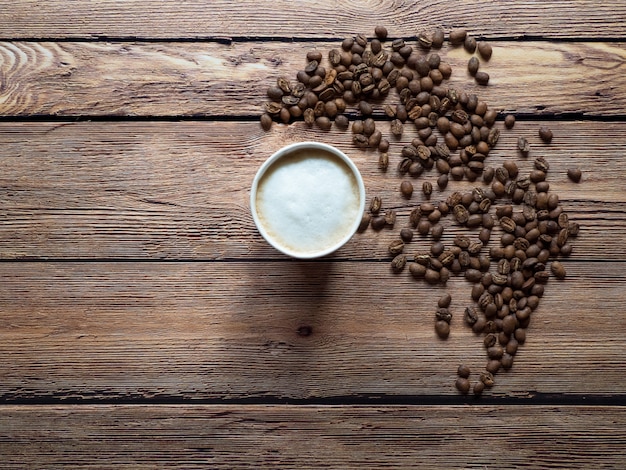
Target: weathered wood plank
(224, 330)
(180, 190)
(172, 79)
(327, 18)
(312, 437)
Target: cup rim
(280, 153)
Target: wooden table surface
(145, 323)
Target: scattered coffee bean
(378, 222)
(457, 36)
(417, 270)
(574, 174)
(398, 263)
(342, 121)
(523, 145)
(473, 65)
(442, 328)
(485, 50)
(427, 189)
(558, 269)
(482, 78)
(463, 371)
(462, 385)
(432, 276)
(383, 161)
(381, 32)
(375, 205)
(469, 44)
(438, 37)
(396, 247)
(406, 234)
(390, 218)
(545, 134)
(509, 121)
(406, 188)
(365, 221)
(444, 301)
(487, 378)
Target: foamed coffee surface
(307, 201)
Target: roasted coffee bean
(495, 352)
(486, 378)
(470, 44)
(369, 126)
(488, 174)
(509, 323)
(406, 188)
(417, 270)
(473, 65)
(442, 328)
(427, 189)
(492, 366)
(462, 384)
(482, 78)
(378, 222)
(406, 234)
(437, 38)
(323, 123)
(545, 134)
(396, 247)
(444, 301)
(444, 314)
(423, 227)
(463, 371)
(365, 221)
(473, 275)
(397, 127)
(375, 204)
(507, 224)
(266, 121)
(424, 39)
(398, 263)
(485, 50)
(390, 217)
(360, 141)
(558, 269)
(457, 36)
(437, 248)
(523, 145)
(461, 214)
(574, 174)
(381, 32)
(478, 389)
(383, 161)
(509, 121)
(432, 276)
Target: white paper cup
(307, 199)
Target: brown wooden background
(145, 323)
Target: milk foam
(308, 201)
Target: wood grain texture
(327, 18)
(200, 79)
(229, 330)
(229, 437)
(164, 190)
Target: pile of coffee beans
(456, 132)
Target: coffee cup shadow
(286, 321)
